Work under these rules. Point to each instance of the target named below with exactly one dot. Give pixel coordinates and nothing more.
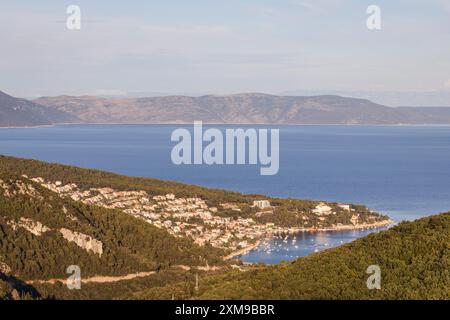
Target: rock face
(35, 227)
(4, 268)
(83, 241)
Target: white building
(261, 204)
(344, 206)
(322, 209)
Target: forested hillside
(130, 245)
(414, 259)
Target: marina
(287, 247)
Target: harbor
(290, 246)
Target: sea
(401, 171)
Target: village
(189, 216)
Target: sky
(221, 47)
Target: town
(192, 217)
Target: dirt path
(98, 279)
(109, 279)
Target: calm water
(401, 171)
(288, 248)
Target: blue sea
(403, 171)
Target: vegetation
(414, 258)
(88, 178)
(180, 281)
(4, 290)
(129, 244)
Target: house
(261, 204)
(344, 206)
(322, 209)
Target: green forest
(414, 260)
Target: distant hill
(247, 108)
(22, 113)
(388, 98)
(426, 115)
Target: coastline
(348, 227)
(253, 246)
(231, 124)
(31, 127)
(243, 251)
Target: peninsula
(225, 220)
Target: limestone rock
(83, 241)
(4, 268)
(35, 227)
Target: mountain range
(246, 108)
(15, 112)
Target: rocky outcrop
(4, 268)
(13, 188)
(35, 227)
(83, 241)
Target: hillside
(247, 108)
(115, 228)
(414, 259)
(144, 231)
(16, 112)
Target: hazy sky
(223, 46)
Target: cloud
(279, 46)
(304, 4)
(317, 5)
